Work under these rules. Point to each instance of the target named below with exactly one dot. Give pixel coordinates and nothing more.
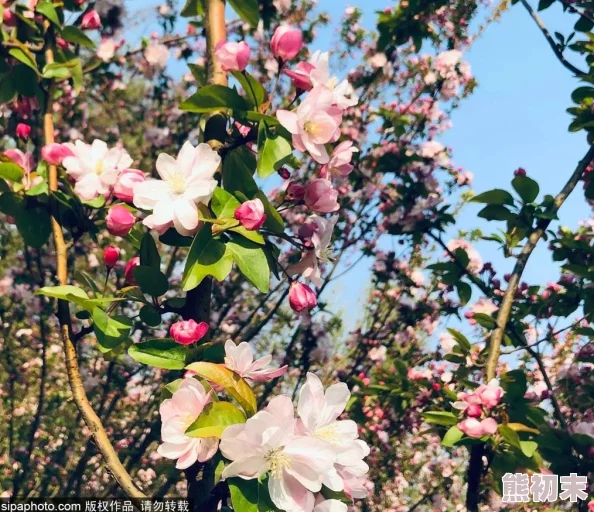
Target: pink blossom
(157, 55)
(475, 428)
(321, 197)
(111, 255)
(475, 263)
(307, 267)
(54, 153)
(107, 49)
(295, 192)
(300, 76)
(584, 428)
(232, 56)
(23, 131)
(127, 180)
(91, 21)
(489, 394)
(119, 220)
(301, 297)
(186, 332)
(251, 214)
(129, 270)
(315, 123)
(25, 160)
(177, 414)
(286, 42)
(340, 161)
(240, 359)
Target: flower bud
(295, 192)
(232, 56)
(91, 21)
(284, 173)
(54, 153)
(321, 197)
(300, 76)
(119, 220)
(301, 297)
(251, 214)
(129, 270)
(23, 131)
(9, 18)
(124, 187)
(286, 42)
(186, 332)
(474, 411)
(520, 171)
(111, 255)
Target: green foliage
(273, 151)
(250, 496)
(151, 280)
(160, 353)
(247, 10)
(214, 419)
(212, 98)
(252, 262)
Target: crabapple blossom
(307, 267)
(186, 332)
(314, 123)
(321, 197)
(340, 161)
(127, 180)
(232, 56)
(301, 297)
(111, 255)
(251, 214)
(185, 182)
(119, 220)
(23, 131)
(475, 428)
(91, 20)
(342, 92)
(268, 444)
(157, 55)
(129, 270)
(489, 394)
(177, 414)
(240, 359)
(286, 42)
(95, 167)
(300, 76)
(55, 153)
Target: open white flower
(267, 444)
(343, 92)
(240, 359)
(95, 167)
(186, 182)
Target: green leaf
(252, 262)
(254, 92)
(230, 381)
(238, 169)
(150, 316)
(207, 257)
(528, 447)
(247, 10)
(582, 93)
(274, 222)
(151, 281)
(160, 353)
(25, 56)
(57, 70)
(496, 212)
(440, 418)
(46, 7)
(273, 151)
(65, 292)
(495, 196)
(223, 204)
(212, 98)
(526, 188)
(25, 80)
(461, 340)
(464, 292)
(250, 496)
(110, 331)
(149, 255)
(509, 435)
(11, 172)
(7, 89)
(192, 8)
(34, 225)
(452, 436)
(75, 35)
(545, 4)
(173, 238)
(484, 320)
(214, 419)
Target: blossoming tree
(188, 372)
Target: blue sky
(515, 118)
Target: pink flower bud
(232, 56)
(9, 18)
(286, 42)
(301, 297)
(284, 173)
(186, 332)
(111, 255)
(129, 270)
(321, 197)
(300, 76)
(295, 192)
(124, 187)
(475, 428)
(251, 214)
(91, 21)
(23, 131)
(473, 410)
(62, 43)
(119, 220)
(54, 153)
(520, 172)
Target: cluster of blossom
(298, 455)
(476, 405)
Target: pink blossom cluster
(475, 406)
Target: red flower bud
(111, 255)
(186, 332)
(301, 297)
(119, 220)
(129, 270)
(23, 131)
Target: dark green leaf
(495, 196)
(149, 255)
(254, 92)
(151, 281)
(214, 97)
(461, 339)
(150, 316)
(75, 35)
(464, 292)
(46, 7)
(192, 8)
(247, 10)
(440, 418)
(252, 262)
(34, 226)
(526, 188)
(496, 212)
